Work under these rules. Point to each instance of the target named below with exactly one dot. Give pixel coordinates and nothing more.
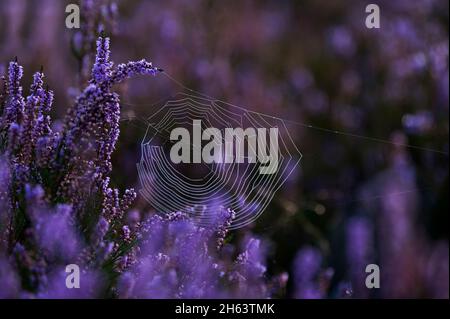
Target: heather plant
(180, 260)
(58, 207)
(52, 181)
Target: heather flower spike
(92, 125)
(102, 65)
(14, 102)
(29, 121)
(49, 176)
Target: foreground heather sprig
(13, 101)
(92, 125)
(50, 179)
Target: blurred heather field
(371, 107)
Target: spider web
(170, 187)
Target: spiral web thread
(236, 186)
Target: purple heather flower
(130, 69)
(5, 184)
(45, 150)
(437, 271)
(341, 41)
(126, 233)
(13, 138)
(34, 196)
(27, 138)
(359, 253)
(114, 206)
(56, 235)
(9, 279)
(102, 66)
(15, 103)
(43, 123)
(249, 271)
(344, 290)
(100, 230)
(307, 265)
(252, 259)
